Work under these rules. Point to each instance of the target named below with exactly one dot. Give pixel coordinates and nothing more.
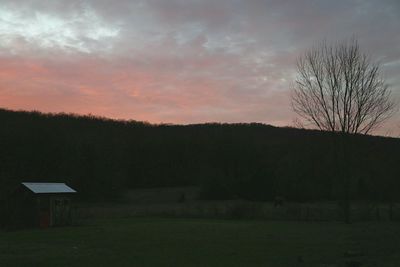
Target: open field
(202, 242)
(165, 202)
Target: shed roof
(43, 188)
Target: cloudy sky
(179, 61)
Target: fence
(245, 210)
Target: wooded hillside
(102, 157)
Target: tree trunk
(344, 156)
(346, 203)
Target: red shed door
(44, 219)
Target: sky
(180, 61)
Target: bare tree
(339, 89)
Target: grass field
(201, 242)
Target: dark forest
(102, 157)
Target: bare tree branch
(338, 88)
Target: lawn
(201, 242)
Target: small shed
(41, 205)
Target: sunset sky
(180, 61)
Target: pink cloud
(165, 90)
(178, 61)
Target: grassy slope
(196, 242)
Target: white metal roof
(43, 188)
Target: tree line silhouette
(102, 157)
